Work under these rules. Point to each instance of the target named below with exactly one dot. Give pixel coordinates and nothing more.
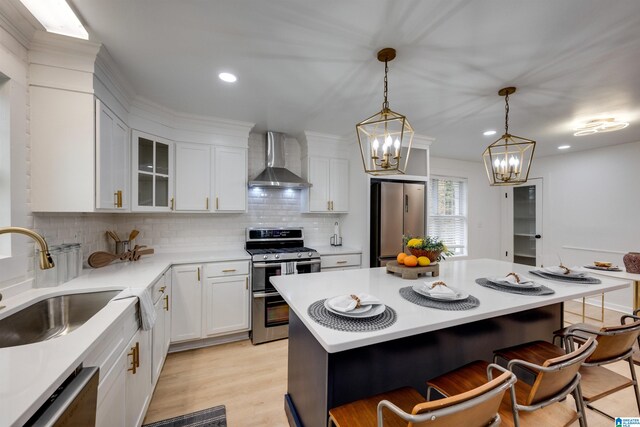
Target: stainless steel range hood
(276, 175)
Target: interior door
(522, 229)
(413, 209)
(391, 219)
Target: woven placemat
(581, 280)
(321, 315)
(542, 290)
(412, 296)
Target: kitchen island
(328, 368)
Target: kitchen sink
(51, 318)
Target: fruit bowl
(432, 255)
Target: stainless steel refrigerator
(397, 209)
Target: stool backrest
(560, 373)
(614, 341)
(474, 408)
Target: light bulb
(396, 144)
(496, 164)
(376, 144)
(388, 141)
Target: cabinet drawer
(331, 261)
(157, 290)
(227, 268)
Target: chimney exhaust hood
(276, 175)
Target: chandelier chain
(385, 104)
(506, 114)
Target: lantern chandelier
(383, 135)
(508, 159)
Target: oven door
(262, 271)
(270, 317)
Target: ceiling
(311, 65)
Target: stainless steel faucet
(46, 261)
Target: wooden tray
(412, 273)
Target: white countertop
(300, 291)
(336, 250)
(30, 373)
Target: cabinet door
(186, 304)
(226, 305)
(152, 166)
(167, 305)
(193, 177)
(112, 160)
(138, 380)
(157, 341)
(230, 179)
(111, 409)
(339, 185)
(319, 178)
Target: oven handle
(276, 264)
(265, 294)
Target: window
(448, 212)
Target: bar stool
(555, 376)
(404, 407)
(615, 343)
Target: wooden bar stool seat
(471, 376)
(405, 407)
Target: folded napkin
(440, 290)
(514, 280)
(560, 271)
(346, 303)
(147, 311)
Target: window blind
(448, 212)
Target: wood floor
(251, 381)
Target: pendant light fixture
(383, 135)
(508, 159)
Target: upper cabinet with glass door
(152, 166)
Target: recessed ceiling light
(489, 132)
(564, 147)
(57, 17)
(227, 77)
(608, 124)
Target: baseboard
(208, 342)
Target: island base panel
(318, 381)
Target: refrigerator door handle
(406, 203)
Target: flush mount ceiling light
(57, 17)
(564, 147)
(608, 124)
(489, 132)
(227, 77)
(383, 135)
(508, 159)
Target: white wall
(590, 208)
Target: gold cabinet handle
(217, 204)
(161, 290)
(137, 354)
(166, 302)
(173, 202)
(246, 283)
(328, 205)
(230, 270)
(115, 199)
(207, 204)
(119, 198)
(341, 262)
(132, 353)
(198, 274)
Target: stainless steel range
(275, 252)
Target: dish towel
(147, 311)
(288, 268)
(347, 303)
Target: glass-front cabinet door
(522, 228)
(153, 172)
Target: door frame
(506, 229)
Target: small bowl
(602, 264)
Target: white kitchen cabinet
(330, 185)
(193, 177)
(230, 179)
(161, 293)
(186, 303)
(138, 378)
(340, 262)
(112, 160)
(79, 153)
(153, 175)
(226, 305)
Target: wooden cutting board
(412, 273)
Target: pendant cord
(385, 104)
(506, 114)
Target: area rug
(212, 417)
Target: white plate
(422, 291)
(502, 282)
(359, 310)
(373, 311)
(557, 271)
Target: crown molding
(421, 141)
(18, 22)
(55, 50)
(109, 73)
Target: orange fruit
(411, 261)
(401, 257)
